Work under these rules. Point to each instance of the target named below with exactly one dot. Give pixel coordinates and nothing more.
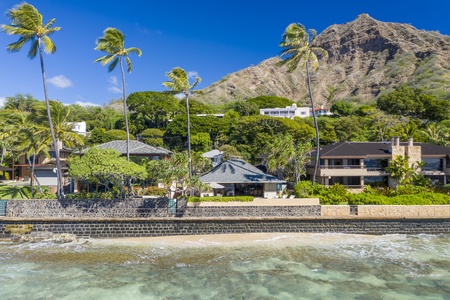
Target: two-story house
(356, 164)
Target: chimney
(410, 142)
(397, 141)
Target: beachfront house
(236, 177)
(357, 164)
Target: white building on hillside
(79, 127)
(287, 112)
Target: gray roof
(136, 148)
(374, 149)
(212, 153)
(238, 171)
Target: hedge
(221, 199)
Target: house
(356, 164)
(322, 111)
(137, 149)
(23, 167)
(79, 127)
(236, 177)
(286, 112)
(215, 156)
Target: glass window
(433, 164)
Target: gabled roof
(374, 149)
(238, 171)
(136, 148)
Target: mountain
(366, 57)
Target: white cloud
(81, 103)
(2, 101)
(193, 74)
(114, 85)
(113, 80)
(114, 89)
(60, 81)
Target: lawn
(8, 192)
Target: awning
(2, 168)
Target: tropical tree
(298, 49)
(106, 166)
(33, 140)
(179, 83)
(113, 43)
(62, 127)
(26, 22)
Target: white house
(286, 112)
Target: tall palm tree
(179, 83)
(299, 50)
(113, 43)
(26, 22)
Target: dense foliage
(402, 195)
(221, 199)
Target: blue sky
(208, 38)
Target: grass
(8, 192)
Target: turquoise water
(275, 266)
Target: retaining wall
(149, 228)
(157, 207)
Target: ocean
(249, 266)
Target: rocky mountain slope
(366, 57)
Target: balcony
(346, 170)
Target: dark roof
(374, 149)
(136, 148)
(238, 171)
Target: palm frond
(49, 46)
(33, 49)
(129, 64)
(113, 64)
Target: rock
(366, 57)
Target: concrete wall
(386, 211)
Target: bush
(84, 195)
(46, 193)
(153, 191)
(221, 199)
(335, 194)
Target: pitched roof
(238, 171)
(136, 148)
(378, 149)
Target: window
(433, 164)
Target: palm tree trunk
(52, 131)
(127, 180)
(125, 110)
(316, 166)
(189, 138)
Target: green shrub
(84, 195)
(153, 191)
(423, 198)
(221, 199)
(335, 194)
(45, 194)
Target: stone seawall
(152, 208)
(169, 227)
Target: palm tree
(26, 22)
(180, 84)
(113, 43)
(298, 49)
